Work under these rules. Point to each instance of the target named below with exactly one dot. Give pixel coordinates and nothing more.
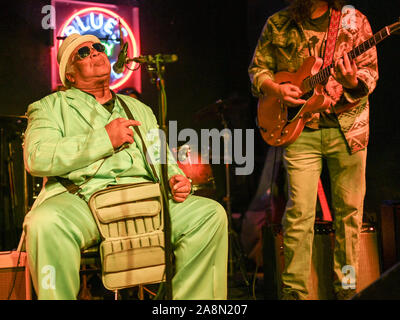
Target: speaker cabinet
(389, 230)
(321, 278)
(15, 281)
(385, 288)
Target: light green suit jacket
(66, 137)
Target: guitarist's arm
(263, 63)
(263, 67)
(366, 65)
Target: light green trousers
(58, 229)
(303, 161)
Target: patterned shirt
(284, 44)
(315, 31)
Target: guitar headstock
(395, 28)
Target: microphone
(119, 66)
(162, 58)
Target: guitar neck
(324, 73)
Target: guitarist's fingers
(289, 90)
(340, 66)
(343, 69)
(347, 64)
(337, 71)
(354, 66)
(290, 93)
(295, 89)
(294, 102)
(333, 74)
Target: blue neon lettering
(109, 26)
(81, 25)
(100, 21)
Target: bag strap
(75, 189)
(130, 116)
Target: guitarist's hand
(289, 94)
(345, 72)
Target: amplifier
(15, 281)
(321, 278)
(389, 230)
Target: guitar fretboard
(324, 74)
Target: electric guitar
(279, 124)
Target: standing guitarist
(288, 37)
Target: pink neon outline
(121, 81)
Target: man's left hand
(180, 187)
(345, 72)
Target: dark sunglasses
(85, 51)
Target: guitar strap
(328, 57)
(331, 38)
(326, 212)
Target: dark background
(214, 41)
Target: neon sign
(106, 25)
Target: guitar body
(279, 124)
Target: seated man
(69, 134)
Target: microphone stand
(233, 244)
(156, 71)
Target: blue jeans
(303, 161)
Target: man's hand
(180, 187)
(345, 72)
(289, 94)
(119, 132)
